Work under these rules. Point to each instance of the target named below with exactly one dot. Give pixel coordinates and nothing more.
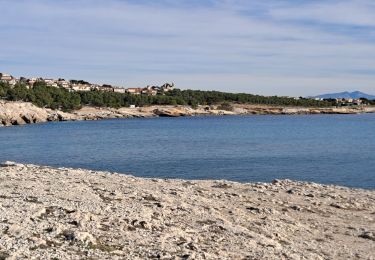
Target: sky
(267, 47)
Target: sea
(328, 149)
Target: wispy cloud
(267, 47)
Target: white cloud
(249, 46)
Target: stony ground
(48, 213)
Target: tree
(225, 106)
(19, 92)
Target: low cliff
(49, 213)
(18, 113)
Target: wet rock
(9, 164)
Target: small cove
(330, 149)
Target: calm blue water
(334, 149)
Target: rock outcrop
(18, 113)
(49, 213)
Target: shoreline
(70, 213)
(20, 113)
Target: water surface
(332, 149)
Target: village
(84, 86)
(345, 101)
(80, 85)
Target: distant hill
(347, 95)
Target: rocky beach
(61, 213)
(20, 113)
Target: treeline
(368, 102)
(60, 98)
(41, 95)
(215, 97)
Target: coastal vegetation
(60, 98)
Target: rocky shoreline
(19, 113)
(61, 213)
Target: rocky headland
(19, 113)
(61, 213)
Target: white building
(64, 84)
(167, 87)
(119, 90)
(81, 87)
(51, 83)
(7, 78)
(134, 91)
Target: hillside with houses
(81, 85)
(24, 101)
(73, 94)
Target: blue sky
(270, 47)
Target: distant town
(84, 86)
(81, 85)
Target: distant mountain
(347, 95)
